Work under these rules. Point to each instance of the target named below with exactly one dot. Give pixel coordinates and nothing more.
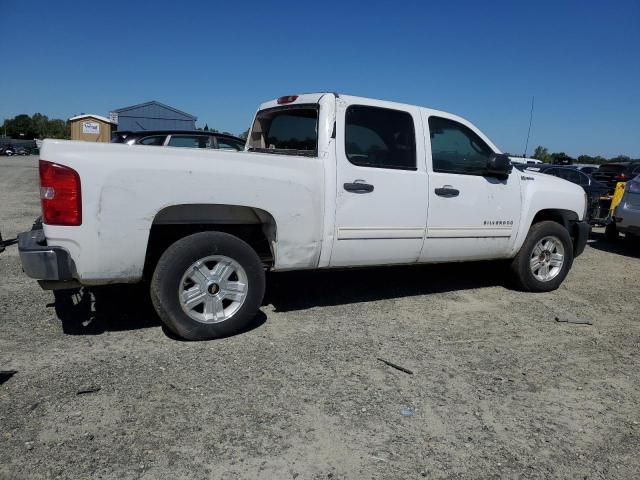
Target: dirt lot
(499, 389)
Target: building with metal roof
(152, 116)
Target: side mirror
(499, 166)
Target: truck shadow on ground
(305, 289)
(93, 311)
(113, 308)
(628, 247)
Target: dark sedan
(180, 138)
(593, 188)
(612, 173)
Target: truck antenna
(526, 145)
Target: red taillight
(60, 195)
(287, 99)
(621, 177)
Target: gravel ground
(499, 388)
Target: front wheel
(545, 258)
(208, 285)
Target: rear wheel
(208, 285)
(545, 258)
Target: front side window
(455, 148)
(286, 130)
(153, 140)
(190, 141)
(380, 138)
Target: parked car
(588, 169)
(627, 213)
(612, 173)
(180, 138)
(22, 151)
(327, 181)
(592, 187)
(7, 150)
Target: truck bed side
(125, 187)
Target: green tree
(57, 128)
(21, 126)
(561, 157)
(244, 134)
(39, 126)
(541, 153)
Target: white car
(326, 181)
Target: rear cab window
(291, 130)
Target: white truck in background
(325, 181)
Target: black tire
(611, 232)
(520, 266)
(173, 264)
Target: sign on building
(92, 128)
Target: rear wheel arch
(254, 226)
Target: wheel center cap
(213, 288)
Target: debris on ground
(397, 367)
(92, 389)
(567, 317)
(408, 412)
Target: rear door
(381, 189)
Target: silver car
(627, 213)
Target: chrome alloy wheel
(547, 259)
(213, 289)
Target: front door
(381, 196)
(471, 216)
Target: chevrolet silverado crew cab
(324, 181)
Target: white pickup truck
(325, 181)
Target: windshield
(286, 130)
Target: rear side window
(286, 130)
(153, 140)
(380, 138)
(190, 141)
(455, 148)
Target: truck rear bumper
(580, 237)
(41, 261)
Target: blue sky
(219, 60)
